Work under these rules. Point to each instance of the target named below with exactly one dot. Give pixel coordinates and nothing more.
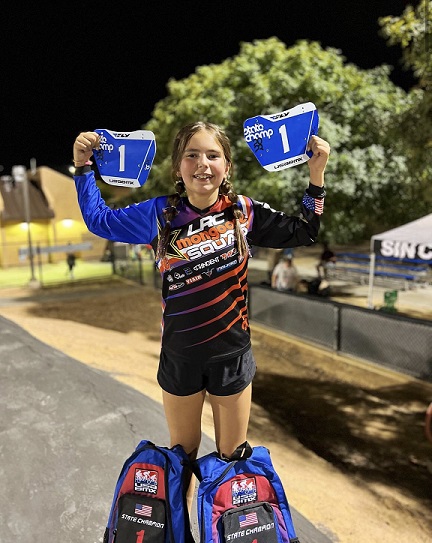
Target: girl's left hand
(318, 162)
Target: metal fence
(390, 340)
(140, 270)
(397, 342)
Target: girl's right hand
(83, 147)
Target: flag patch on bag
(248, 520)
(143, 510)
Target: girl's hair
(180, 142)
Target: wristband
(78, 164)
(81, 170)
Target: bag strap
(242, 452)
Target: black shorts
(183, 377)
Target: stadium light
(19, 174)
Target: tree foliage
(367, 179)
(413, 32)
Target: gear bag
(149, 502)
(242, 499)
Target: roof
(418, 231)
(13, 202)
(411, 240)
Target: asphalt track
(65, 431)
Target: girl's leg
(231, 419)
(183, 416)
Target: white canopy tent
(412, 240)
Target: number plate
(279, 141)
(125, 159)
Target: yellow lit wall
(66, 226)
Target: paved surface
(65, 431)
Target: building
(55, 220)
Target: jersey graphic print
(204, 279)
(204, 275)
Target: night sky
(85, 65)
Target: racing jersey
(204, 281)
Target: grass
(58, 273)
(54, 274)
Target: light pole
(19, 173)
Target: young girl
(200, 235)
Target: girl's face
(203, 167)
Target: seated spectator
(316, 287)
(327, 259)
(273, 256)
(285, 276)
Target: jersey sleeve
(136, 223)
(271, 228)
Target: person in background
(201, 234)
(316, 287)
(327, 259)
(273, 257)
(285, 276)
(71, 261)
(288, 252)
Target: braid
(242, 244)
(169, 213)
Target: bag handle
(242, 452)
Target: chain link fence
(390, 340)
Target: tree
(412, 31)
(367, 173)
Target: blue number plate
(125, 159)
(279, 141)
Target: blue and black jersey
(204, 282)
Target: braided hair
(226, 187)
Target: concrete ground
(66, 430)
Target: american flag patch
(314, 204)
(143, 510)
(248, 519)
